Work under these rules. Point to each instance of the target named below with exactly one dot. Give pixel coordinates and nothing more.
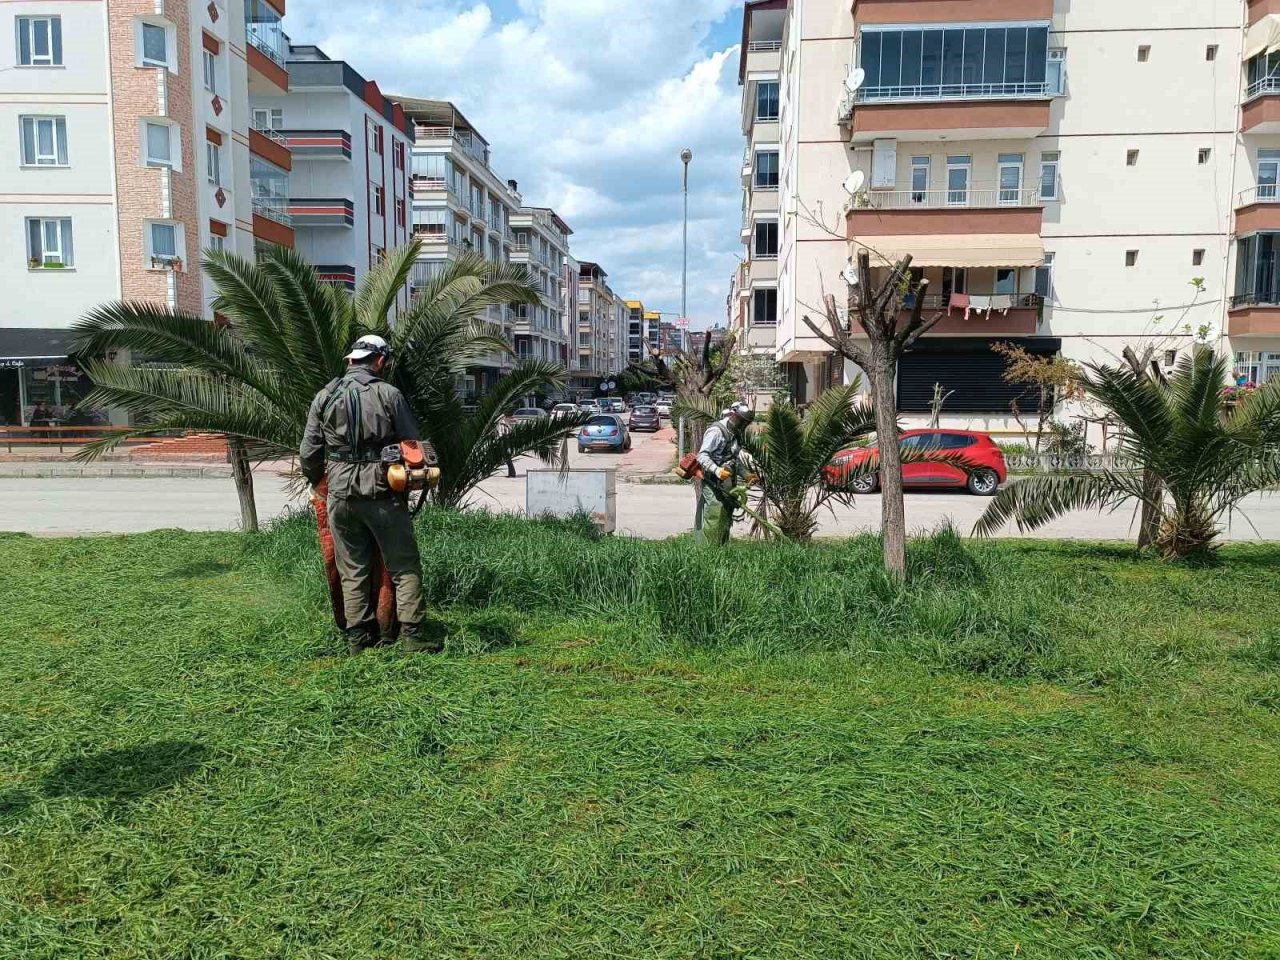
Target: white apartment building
(541, 243)
(603, 319)
(130, 152)
(348, 147)
(1060, 172)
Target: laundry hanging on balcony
(1263, 37)
(963, 250)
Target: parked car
(645, 418)
(604, 431)
(588, 406)
(664, 408)
(529, 413)
(562, 410)
(613, 405)
(985, 460)
(645, 399)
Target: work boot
(422, 638)
(360, 639)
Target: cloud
(587, 103)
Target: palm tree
(789, 454)
(253, 375)
(1204, 455)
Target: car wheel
(581, 448)
(864, 485)
(983, 483)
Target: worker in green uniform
(720, 458)
(351, 420)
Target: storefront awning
(24, 346)
(968, 250)
(1263, 36)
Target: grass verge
(639, 749)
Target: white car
(562, 410)
(664, 409)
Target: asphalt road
(52, 507)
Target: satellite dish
(854, 182)
(857, 76)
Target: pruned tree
(1051, 380)
(884, 338)
(693, 371)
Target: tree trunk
(893, 516)
(1149, 525)
(242, 472)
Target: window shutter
(55, 29)
(60, 138)
(884, 164)
(68, 257)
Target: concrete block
(556, 494)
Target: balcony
(987, 314)
(463, 140)
(322, 212)
(266, 51)
(270, 146)
(931, 119)
(909, 213)
(1255, 314)
(1261, 111)
(339, 274)
(1258, 208)
(317, 144)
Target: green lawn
(639, 750)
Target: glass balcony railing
(268, 36)
(1032, 89)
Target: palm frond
(1034, 501)
(383, 286)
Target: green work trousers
(714, 517)
(358, 526)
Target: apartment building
(596, 312)
(541, 243)
(131, 151)
(753, 298)
(1059, 171)
(637, 331)
(459, 205)
(347, 149)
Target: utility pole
(685, 156)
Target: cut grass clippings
(638, 749)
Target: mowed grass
(639, 750)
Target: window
(1170, 357)
(49, 243)
(1268, 173)
(1144, 53)
(39, 41)
(766, 236)
(919, 180)
(958, 169)
(400, 213)
(1197, 258)
(379, 201)
(213, 153)
(1211, 52)
(954, 280)
(1049, 175)
(210, 71)
(153, 43)
(217, 241)
(397, 154)
(766, 177)
(1202, 156)
(377, 140)
(767, 100)
(1006, 282)
(1009, 167)
(268, 118)
(946, 61)
(162, 243)
(158, 141)
(1055, 70)
(1131, 158)
(44, 141)
(764, 306)
(1044, 278)
(1131, 258)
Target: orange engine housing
(412, 472)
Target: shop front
(39, 384)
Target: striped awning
(965, 250)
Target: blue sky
(587, 103)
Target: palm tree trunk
(242, 472)
(893, 516)
(1149, 525)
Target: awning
(1263, 36)
(963, 250)
(26, 346)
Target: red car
(984, 458)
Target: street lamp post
(685, 156)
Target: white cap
(367, 346)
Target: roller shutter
(970, 368)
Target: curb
(63, 472)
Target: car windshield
(644, 411)
(529, 412)
(602, 422)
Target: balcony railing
(963, 91)
(268, 37)
(936, 301)
(969, 197)
(275, 136)
(1263, 87)
(472, 146)
(1258, 298)
(1262, 193)
(273, 208)
(764, 46)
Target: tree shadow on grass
(125, 773)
